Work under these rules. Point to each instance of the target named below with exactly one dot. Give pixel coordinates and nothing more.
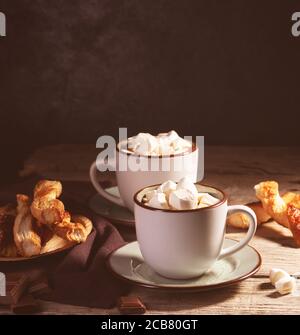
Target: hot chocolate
(178, 196)
(162, 144)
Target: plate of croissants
(39, 226)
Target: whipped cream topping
(163, 144)
(178, 196)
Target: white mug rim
(184, 153)
(219, 203)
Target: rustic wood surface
(236, 170)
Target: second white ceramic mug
(185, 244)
(130, 181)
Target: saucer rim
(198, 288)
(121, 222)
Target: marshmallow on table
(286, 285)
(186, 184)
(282, 281)
(182, 199)
(167, 187)
(277, 274)
(158, 200)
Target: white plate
(128, 264)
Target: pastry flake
(76, 231)
(46, 208)
(25, 230)
(27, 241)
(267, 192)
(293, 214)
(292, 198)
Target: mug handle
(250, 233)
(100, 189)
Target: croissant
(293, 214)
(267, 192)
(45, 232)
(241, 220)
(46, 208)
(27, 241)
(76, 231)
(292, 198)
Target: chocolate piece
(131, 305)
(39, 288)
(26, 305)
(16, 285)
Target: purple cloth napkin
(82, 278)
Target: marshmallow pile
(179, 196)
(163, 144)
(282, 281)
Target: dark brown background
(72, 70)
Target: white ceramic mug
(130, 181)
(185, 244)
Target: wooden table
(236, 170)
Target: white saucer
(111, 211)
(128, 264)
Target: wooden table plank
(236, 170)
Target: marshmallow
(162, 135)
(181, 196)
(132, 144)
(183, 199)
(146, 144)
(205, 199)
(286, 285)
(186, 184)
(277, 274)
(283, 282)
(164, 146)
(150, 194)
(172, 135)
(167, 187)
(296, 274)
(180, 144)
(158, 200)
